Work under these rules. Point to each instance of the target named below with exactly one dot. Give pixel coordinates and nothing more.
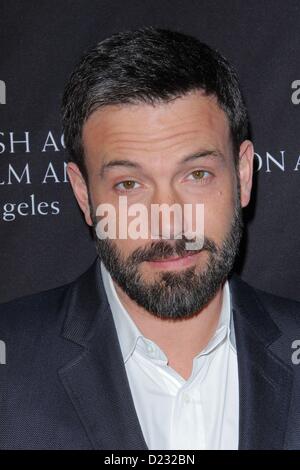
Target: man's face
(171, 153)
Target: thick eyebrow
(116, 163)
(132, 164)
(201, 154)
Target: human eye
(199, 175)
(126, 185)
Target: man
(157, 345)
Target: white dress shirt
(199, 413)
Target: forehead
(187, 121)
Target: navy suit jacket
(64, 384)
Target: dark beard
(175, 295)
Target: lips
(175, 261)
(175, 258)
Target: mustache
(162, 250)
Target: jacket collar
(97, 383)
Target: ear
(80, 190)
(245, 169)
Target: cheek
(218, 213)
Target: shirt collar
(129, 334)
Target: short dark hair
(148, 65)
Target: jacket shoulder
(285, 312)
(45, 313)
(33, 310)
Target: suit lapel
(96, 381)
(265, 381)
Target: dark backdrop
(44, 241)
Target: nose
(166, 215)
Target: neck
(180, 340)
